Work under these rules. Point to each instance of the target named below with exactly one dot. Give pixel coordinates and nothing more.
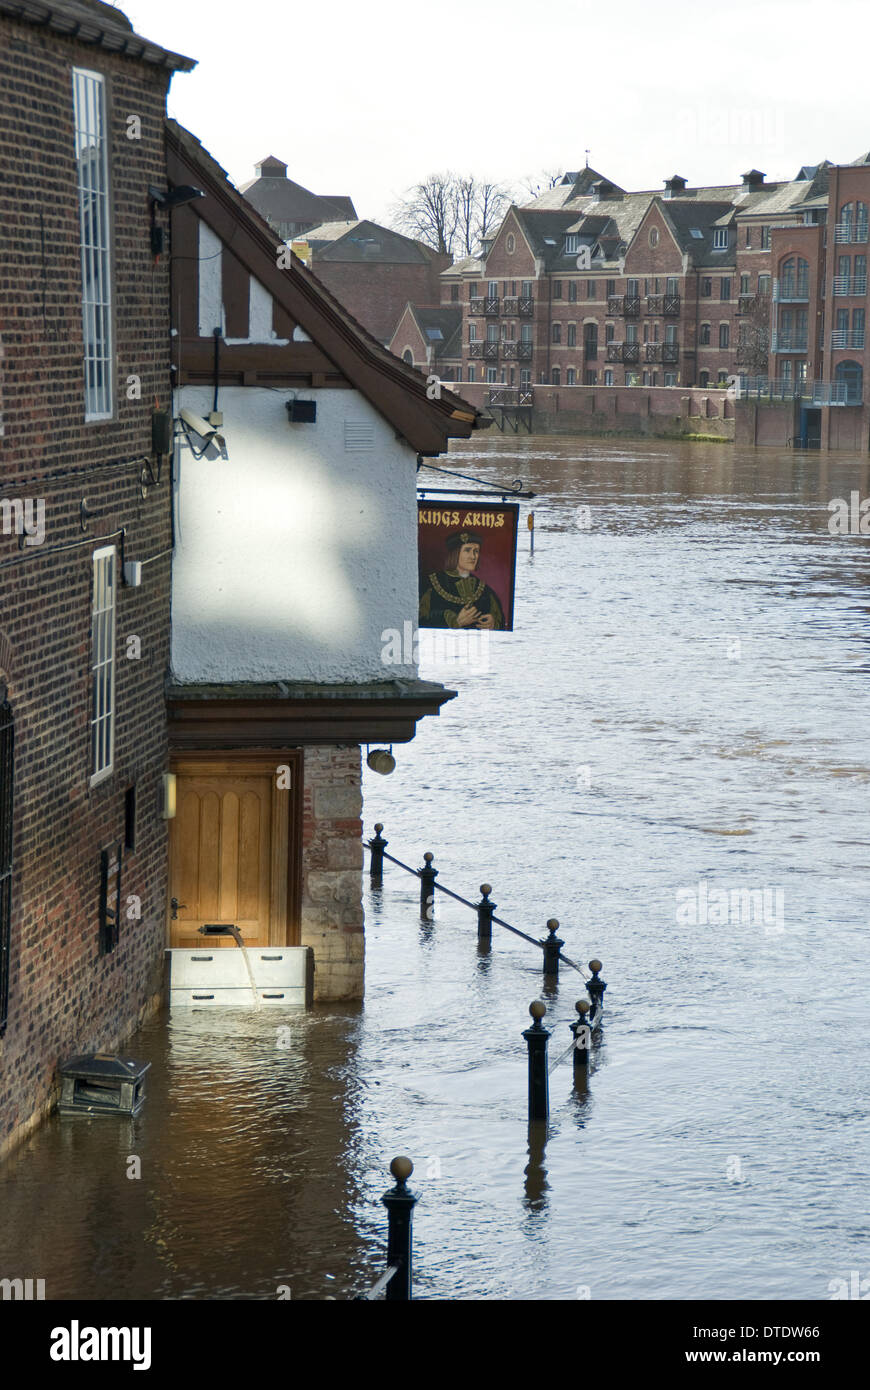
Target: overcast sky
(366, 99)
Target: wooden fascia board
(391, 395)
(223, 722)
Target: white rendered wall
(294, 553)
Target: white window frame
(103, 602)
(95, 239)
(720, 238)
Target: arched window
(7, 738)
(704, 335)
(849, 379)
(408, 356)
(786, 279)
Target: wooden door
(228, 849)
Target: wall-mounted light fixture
(302, 412)
(381, 761)
(169, 796)
(168, 198)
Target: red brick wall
(64, 996)
(408, 335)
(376, 295)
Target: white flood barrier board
(218, 976)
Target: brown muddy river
(678, 721)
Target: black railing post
(428, 876)
(595, 986)
(552, 946)
(485, 909)
(400, 1202)
(377, 847)
(582, 1035)
(537, 1038)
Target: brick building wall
(332, 859)
(376, 294)
(64, 996)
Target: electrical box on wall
(161, 432)
(302, 412)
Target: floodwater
(683, 703)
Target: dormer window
(572, 244)
(720, 238)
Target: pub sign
(468, 558)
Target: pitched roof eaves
(448, 407)
(70, 22)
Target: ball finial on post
(428, 875)
(401, 1169)
(485, 910)
(377, 847)
(537, 1038)
(596, 986)
(552, 945)
(399, 1202)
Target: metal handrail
(381, 1283)
(500, 920)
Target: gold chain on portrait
(451, 598)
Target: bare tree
(753, 343)
(429, 211)
(536, 184)
(493, 201)
(452, 212)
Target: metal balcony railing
(628, 353)
(475, 349)
(522, 397)
(509, 304)
(524, 351)
(526, 305)
(509, 349)
(746, 303)
(844, 338)
(672, 305)
(670, 352)
(490, 305)
(851, 231)
(653, 352)
(787, 389)
(475, 306)
(626, 305)
(791, 289)
(788, 342)
(854, 284)
(490, 351)
(655, 304)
